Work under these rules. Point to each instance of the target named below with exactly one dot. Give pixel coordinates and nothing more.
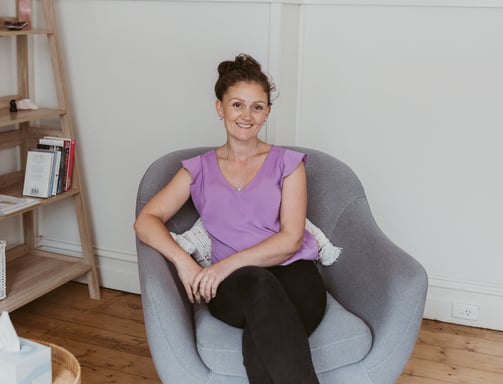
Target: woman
(252, 199)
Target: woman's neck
(241, 151)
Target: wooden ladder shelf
(32, 271)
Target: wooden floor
(108, 338)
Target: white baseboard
(119, 270)
(118, 274)
(116, 270)
(443, 294)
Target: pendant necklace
(238, 186)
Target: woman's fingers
(204, 286)
(188, 290)
(195, 286)
(214, 290)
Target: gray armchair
(376, 291)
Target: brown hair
(243, 68)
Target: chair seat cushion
(340, 339)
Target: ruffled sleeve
(194, 166)
(291, 160)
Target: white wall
(407, 93)
(141, 74)
(411, 98)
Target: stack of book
(49, 167)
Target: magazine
(10, 204)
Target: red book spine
(71, 159)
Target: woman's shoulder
(195, 164)
(287, 154)
(202, 156)
(285, 151)
(287, 159)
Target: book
(38, 178)
(11, 204)
(59, 166)
(69, 157)
(71, 161)
(54, 170)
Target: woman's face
(244, 109)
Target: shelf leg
(29, 230)
(87, 248)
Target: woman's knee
(254, 282)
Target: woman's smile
(244, 125)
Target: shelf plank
(31, 276)
(24, 32)
(42, 202)
(36, 31)
(22, 116)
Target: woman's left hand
(206, 282)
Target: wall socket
(465, 311)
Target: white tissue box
(32, 364)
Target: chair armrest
(380, 283)
(168, 320)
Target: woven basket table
(65, 366)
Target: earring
(220, 117)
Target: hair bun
(225, 66)
(241, 62)
(245, 60)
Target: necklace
(238, 186)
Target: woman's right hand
(187, 270)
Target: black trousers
(278, 308)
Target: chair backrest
(332, 186)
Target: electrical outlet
(465, 311)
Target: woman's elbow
(137, 226)
(296, 243)
(140, 224)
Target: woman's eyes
(254, 107)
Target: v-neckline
(244, 187)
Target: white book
(39, 174)
(55, 172)
(51, 140)
(10, 204)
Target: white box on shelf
(32, 364)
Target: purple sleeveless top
(236, 220)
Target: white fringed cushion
(197, 243)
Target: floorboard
(108, 338)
